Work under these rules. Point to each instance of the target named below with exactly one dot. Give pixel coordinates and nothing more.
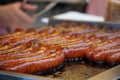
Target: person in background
(12, 15)
(97, 7)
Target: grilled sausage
(76, 50)
(38, 64)
(45, 48)
(98, 53)
(113, 57)
(102, 55)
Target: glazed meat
(42, 49)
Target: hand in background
(13, 16)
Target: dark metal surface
(13, 77)
(109, 24)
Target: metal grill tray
(74, 69)
(99, 24)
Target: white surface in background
(88, 1)
(75, 16)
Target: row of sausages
(38, 50)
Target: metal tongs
(51, 4)
(47, 8)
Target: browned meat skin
(113, 57)
(47, 47)
(33, 55)
(18, 54)
(82, 31)
(99, 52)
(76, 50)
(4, 39)
(101, 56)
(32, 51)
(6, 43)
(23, 39)
(74, 53)
(38, 64)
(12, 35)
(16, 48)
(8, 49)
(114, 36)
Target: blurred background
(85, 10)
(70, 9)
(75, 10)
